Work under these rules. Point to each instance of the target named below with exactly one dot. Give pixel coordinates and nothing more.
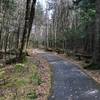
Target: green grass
(25, 77)
(21, 82)
(19, 67)
(36, 79)
(32, 95)
(2, 73)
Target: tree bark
(32, 13)
(25, 27)
(96, 57)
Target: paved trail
(69, 82)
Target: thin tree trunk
(32, 14)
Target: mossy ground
(21, 82)
(92, 67)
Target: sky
(43, 2)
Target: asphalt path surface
(69, 82)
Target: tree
(39, 23)
(15, 26)
(28, 23)
(96, 59)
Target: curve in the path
(69, 82)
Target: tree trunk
(96, 58)
(32, 13)
(25, 27)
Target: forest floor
(95, 74)
(28, 80)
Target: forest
(74, 27)
(16, 18)
(70, 27)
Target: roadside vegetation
(25, 81)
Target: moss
(92, 66)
